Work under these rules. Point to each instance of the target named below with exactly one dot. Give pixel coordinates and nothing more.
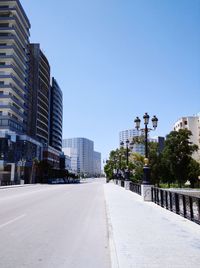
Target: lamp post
(120, 165)
(146, 168)
(127, 158)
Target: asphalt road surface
(54, 226)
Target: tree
(177, 154)
(117, 162)
(137, 163)
(193, 172)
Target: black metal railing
(179, 203)
(122, 183)
(135, 187)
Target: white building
(191, 123)
(97, 163)
(128, 135)
(68, 163)
(71, 159)
(85, 152)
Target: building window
(2, 25)
(185, 122)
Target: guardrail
(135, 187)
(179, 203)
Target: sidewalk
(144, 235)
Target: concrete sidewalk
(144, 235)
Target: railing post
(170, 201)
(177, 203)
(198, 210)
(166, 199)
(184, 207)
(191, 208)
(152, 197)
(161, 198)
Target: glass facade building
(56, 116)
(85, 154)
(39, 95)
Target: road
(54, 226)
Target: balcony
(20, 85)
(14, 50)
(14, 109)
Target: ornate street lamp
(127, 158)
(146, 168)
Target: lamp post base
(146, 175)
(146, 192)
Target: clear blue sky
(118, 59)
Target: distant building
(72, 159)
(129, 134)
(191, 123)
(85, 154)
(68, 163)
(97, 164)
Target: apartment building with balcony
(14, 40)
(39, 95)
(191, 123)
(25, 121)
(56, 116)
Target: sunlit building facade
(14, 40)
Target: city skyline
(113, 64)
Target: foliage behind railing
(181, 204)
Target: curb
(15, 186)
(113, 252)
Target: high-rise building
(56, 114)
(25, 122)
(39, 96)
(85, 152)
(97, 163)
(14, 40)
(191, 123)
(129, 134)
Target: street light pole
(127, 159)
(146, 168)
(127, 152)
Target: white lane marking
(11, 221)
